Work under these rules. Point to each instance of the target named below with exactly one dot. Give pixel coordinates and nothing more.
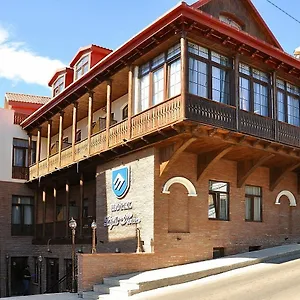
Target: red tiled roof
(26, 98)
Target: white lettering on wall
(125, 220)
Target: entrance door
(52, 273)
(18, 265)
(68, 273)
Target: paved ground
(62, 296)
(275, 280)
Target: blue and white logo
(121, 181)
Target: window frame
(60, 86)
(22, 231)
(252, 80)
(165, 65)
(209, 69)
(251, 196)
(214, 193)
(88, 63)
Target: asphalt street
(278, 279)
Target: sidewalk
(60, 296)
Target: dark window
(73, 210)
(209, 74)
(253, 203)
(22, 215)
(85, 212)
(218, 200)
(254, 248)
(125, 112)
(218, 252)
(78, 136)
(288, 97)
(254, 90)
(36, 274)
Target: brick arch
(184, 181)
(289, 195)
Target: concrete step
(91, 295)
(115, 281)
(102, 288)
(121, 292)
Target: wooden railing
(152, 119)
(20, 172)
(288, 134)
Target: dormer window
(82, 67)
(230, 20)
(58, 86)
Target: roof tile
(26, 98)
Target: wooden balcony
(155, 118)
(165, 114)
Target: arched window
(58, 85)
(231, 20)
(82, 66)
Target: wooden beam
(206, 160)
(74, 129)
(277, 174)
(49, 131)
(184, 70)
(108, 110)
(130, 98)
(90, 120)
(38, 151)
(181, 146)
(60, 136)
(247, 167)
(29, 149)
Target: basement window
(254, 248)
(218, 252)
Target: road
(276, 280)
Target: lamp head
(72, 223)
(40, 258)
(94, 225)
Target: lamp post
(7, 275)
(40, 259)
(94, 227)
(73, 225)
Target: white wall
(8, 131)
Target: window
(218, 200)
(254, 90)
(22, 215)
(78, 136)
(288, 97)
(228, 20)
(218, 252)
(82, 67)
(36, 274)
(125, 112)
(209, 74)
(152, 78)
(58, 86)
(253, 203)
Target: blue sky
(37, 37)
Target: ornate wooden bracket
(180, 147)
(206, 160)
(277, 174)
(247, 167)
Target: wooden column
(44, 211)
(60, 136)
(81, 204)
(130, 97)
(184, 72)
(90, 120)
(74, 129)
(36, 200)
(108, 109)
(49, 130)
(67, 207)
(29, 149)
(274, 112)
(237, 89)
(38, 151)
(54, 209)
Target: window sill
(253, 221)
(212, 219)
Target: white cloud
(18, 63)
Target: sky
(38, 37)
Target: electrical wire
(283, 11)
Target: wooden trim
(130, 97)
(74, 129)
(237, 88)
(274, 103)
(49, 131)
(181, 146)
(108, 109)
(277, 174)
(60, 136)
(247, 167)
(184, 71)
(206, 160)
(38, 150)
(81, 184)
(67, 207)
(29, 149)
(90, 120)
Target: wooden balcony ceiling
(119, 88)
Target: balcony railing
(145, 122)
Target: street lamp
(94, 227)
(73, 225)
(40, 259)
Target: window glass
(175, 78)
(260, 99)
(158, 86)
(293, 110)
(159, 60)
(280, 106)
(260, 75)
(280, 84)
(220, 59)
(144, 69)
(198, 50)
(198, 78)
(244, 94)
(173, 51)
(230, 22)
(82, 67)
(244, 69)
(253, 203)
(292, 89)
(220, 85)
(144, 92)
